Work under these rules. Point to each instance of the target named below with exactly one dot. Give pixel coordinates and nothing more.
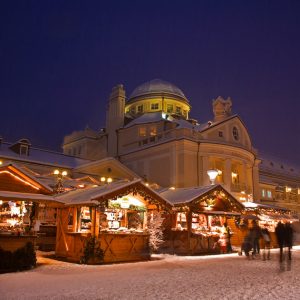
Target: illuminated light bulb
(56, 172)
(172, 188)
(109, 179)
(1, 162)
(64, 173)
(102, 179)
(1, 202)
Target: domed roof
(157, 86)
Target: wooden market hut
(19, 192)
(200, 212)
(266, 215)
(107, 223)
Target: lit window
(169, 108)
(178, 110)
(140, 109)
(263, 193)
(235, 177)
(269, 194)
(235, 133)
(154, 106)
(142, 131)
(153, 131)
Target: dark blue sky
(60, 59)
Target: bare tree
(155, 221)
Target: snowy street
(165, 277)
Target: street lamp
(59, 188)
(212, 174)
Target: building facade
(151, 135)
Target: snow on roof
(277, 165)
(42, 156)
(185, 195)
(25, 196)
(89, 195)
(26, 172)
(147, 118)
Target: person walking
(256, 237)
(288, 238)
(280, 233)
(267, 242)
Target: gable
(14, 180)
(231, 130)
(108, 167)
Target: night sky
(60, 59)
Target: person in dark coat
(288, 238)
(280, 235)
(256, 237)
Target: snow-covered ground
(165, 277)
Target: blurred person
(256, 237)
(288, 238)
(280, 233)
(267, 242)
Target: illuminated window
(269, 194)
(169, 108)
(140, 109)
(153, 131)
(235, 133)
(154, 106)
(142, 131)
(178, 110)
(234, 177)
(263, 193)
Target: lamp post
(212, 174)
(59, 188)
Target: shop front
(199, 218)
(20, 196)
(107, 223)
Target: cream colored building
(151, 134)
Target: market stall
(20, 194)
(199, 218)
(266, 216)
(108, 223)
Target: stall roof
(5, 195)
(185, 195)
(260, 205)
(92, 195)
